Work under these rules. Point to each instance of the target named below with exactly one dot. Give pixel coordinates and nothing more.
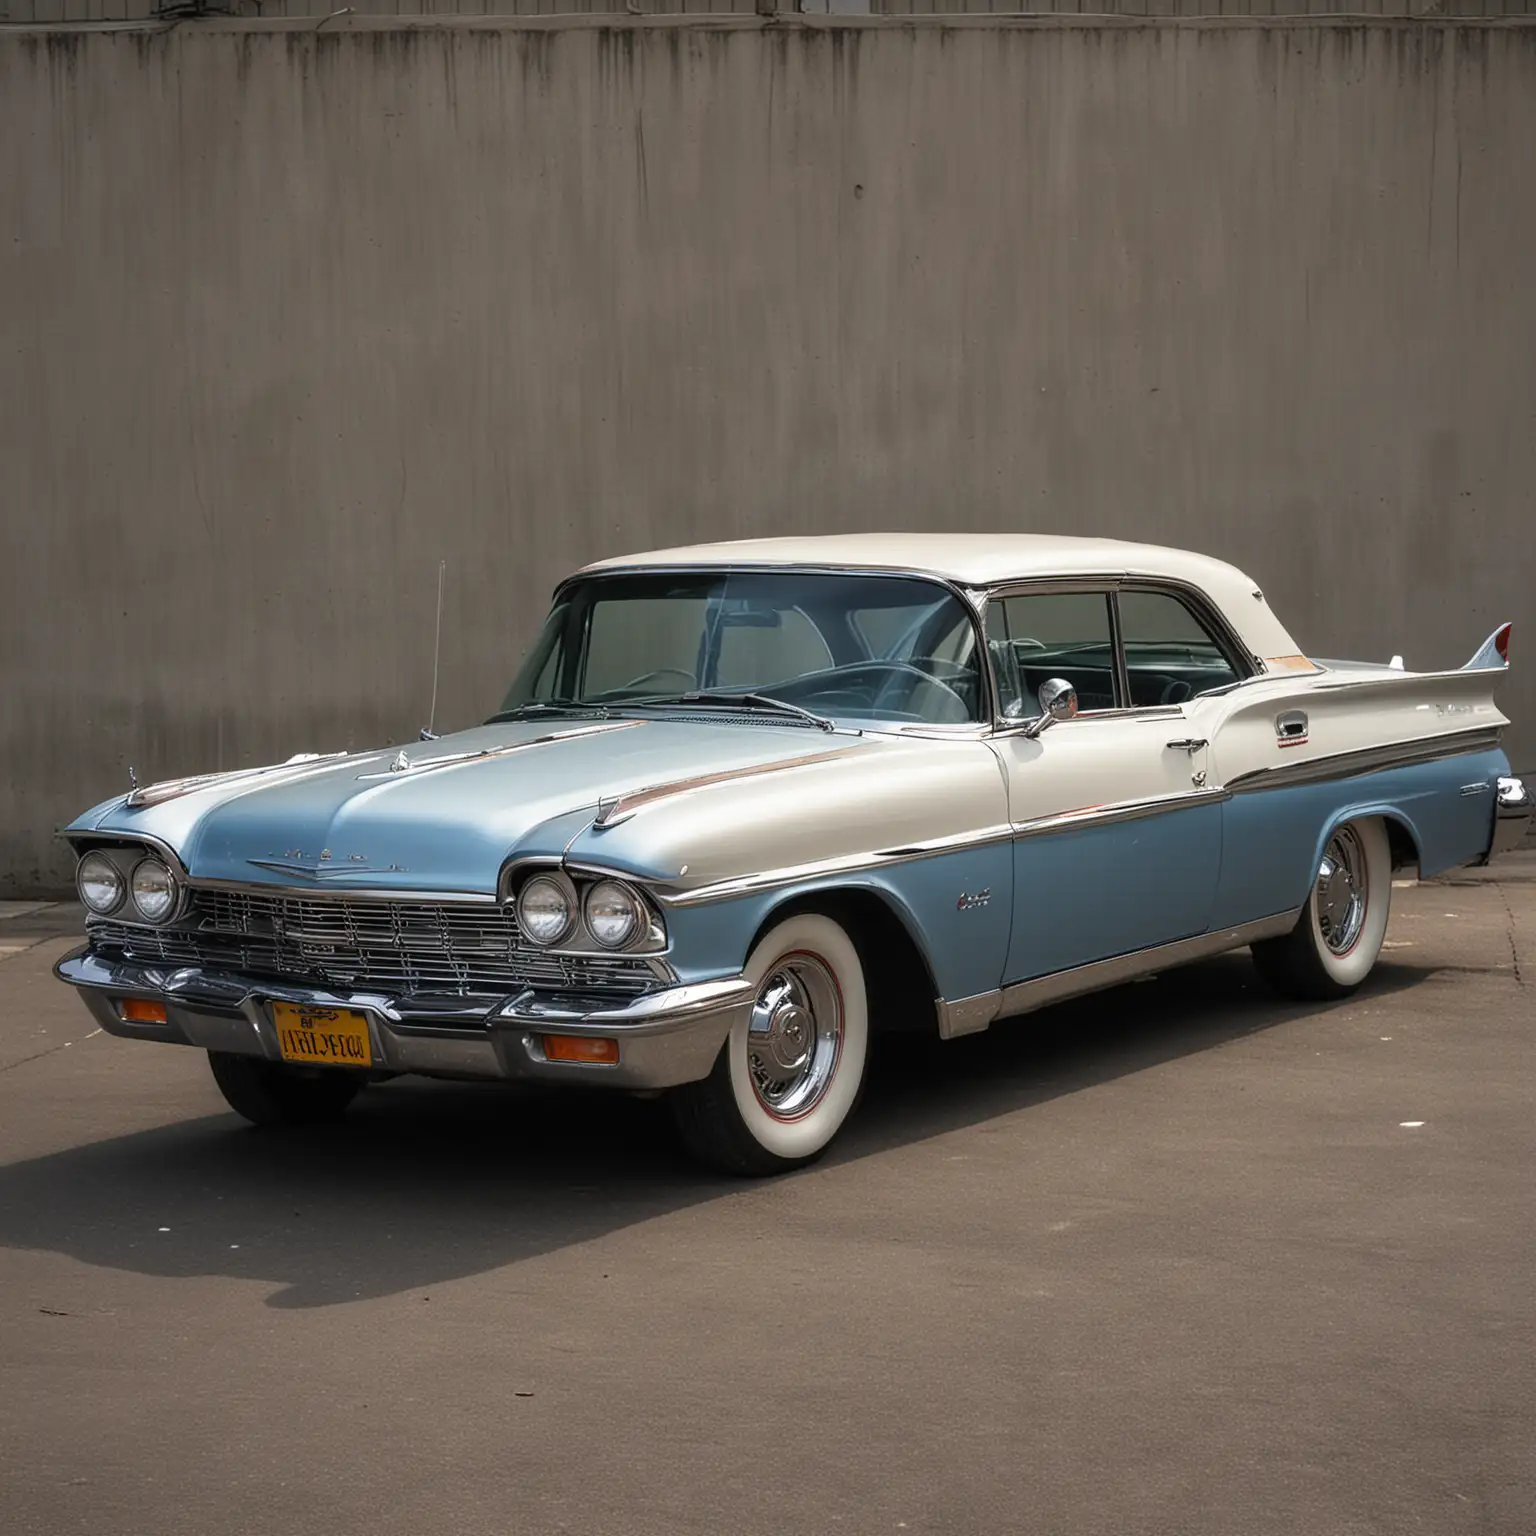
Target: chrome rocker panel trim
(971, 1015)
(665, 1038)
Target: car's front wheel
(790, 1073)
(1338, 936)
(272, 1093)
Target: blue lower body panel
(962, 941)
(1274, 838)
(1088, 893)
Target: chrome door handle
(1188, 744)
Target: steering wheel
(841, 680)
(930, 666)
(658, 674)
(904, 669)
(832, 701)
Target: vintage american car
(749, 804)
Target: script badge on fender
(322, 1037)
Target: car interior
(1170, 656)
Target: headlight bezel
(633, 903)
(647, 934)
(94, 856)
(172, 889)
(124, 856)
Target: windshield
(861, 647)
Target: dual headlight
(103, 887)
(549, 909)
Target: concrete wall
(53, 11)
(286, 317)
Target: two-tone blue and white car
(748, 804)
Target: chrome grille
(397, 946)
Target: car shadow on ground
(427, 1182)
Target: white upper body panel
(991, 559)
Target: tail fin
(1492, 653)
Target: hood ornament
(402, 764)
(297, 766)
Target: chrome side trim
(611, 812)
(1095, 815)
(1389, 679)
(1116, 811)
(742, 885)
(1341, 765)
(934, 845)
(970, 1015)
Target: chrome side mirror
(1058, 701)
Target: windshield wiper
(732, 701)
(551, 707)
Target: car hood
(442, 815)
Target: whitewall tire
(1337, 938)
(790, 1073)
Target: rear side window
(1170, 655)
(1038, 636)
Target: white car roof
(985, 559)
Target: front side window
(861, 647)
(1037, 636)
(1170, 655)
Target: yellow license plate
(322, 1037)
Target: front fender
(963, 946)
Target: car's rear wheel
(272, 1093)
(789, 1074)
(1338, 937)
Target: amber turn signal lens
(581, 1048)
(139, 1010)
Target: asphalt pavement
(1175, 1259)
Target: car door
(1117, 838)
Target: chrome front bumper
(665, 1038)
(1511, 816)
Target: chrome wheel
(1341, 891)
(795, 1036)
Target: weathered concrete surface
(1165, 1260)
(288, 316)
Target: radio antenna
(430, 733)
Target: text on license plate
(322, 1037)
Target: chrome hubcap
(795, 1036)
(1341, 891)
